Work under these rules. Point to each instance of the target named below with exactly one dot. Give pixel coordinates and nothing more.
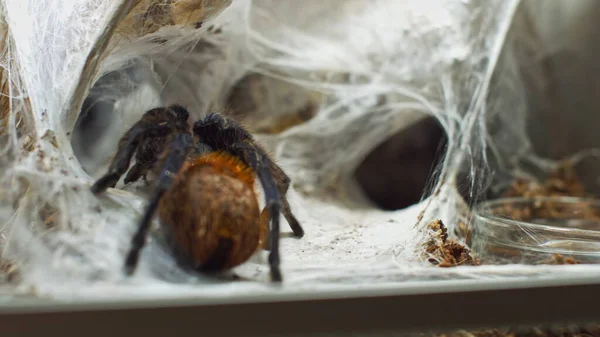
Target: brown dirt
(563, 182)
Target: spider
(204, 190)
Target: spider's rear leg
(260, 163)
(283, 184)
(265, 216)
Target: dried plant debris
(445, 252)
(8, 271)
(588, 331)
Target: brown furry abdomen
(211, 214)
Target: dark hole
(398, 172)
(93, 121)
(97, 112)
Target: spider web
(372, 68)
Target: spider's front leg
(178, 150)
(127, 147)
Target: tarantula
(204, 192)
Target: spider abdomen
(211, 214)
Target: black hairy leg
(127, 147)
(137, 171)
(178, 150)
(260, 163)
(148, 134)
(283, 183)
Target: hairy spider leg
(226, 134)
(136, 172)
(259, 162)
(283, 184)
(178, 150)
(221, 131)
(127, 147)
